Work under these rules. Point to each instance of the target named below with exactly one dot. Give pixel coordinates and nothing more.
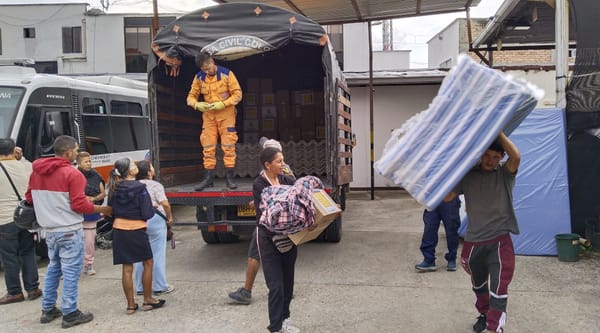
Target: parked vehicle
(293, 91)
(110, 122)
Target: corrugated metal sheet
(348, 11)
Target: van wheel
(209, 237)
(333, 233)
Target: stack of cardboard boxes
(281, 114)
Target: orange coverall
(223, 86)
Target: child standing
(94, 191)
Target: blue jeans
(65, 254)
(448, 213)
(17, 245)
(157, 235)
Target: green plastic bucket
(568, 247)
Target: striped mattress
(433, 150)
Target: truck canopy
(290, 81)
(233, 31)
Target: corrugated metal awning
(348, 11)
(521, 23)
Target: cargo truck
(293, 91)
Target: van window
(93, 105)
(56, 123)
(97, 133)
(130, 133)
(125, 108)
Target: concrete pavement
(365, 283)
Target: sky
(409, 33)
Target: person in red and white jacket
(56, 189)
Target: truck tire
(209, 237)
(333, 233)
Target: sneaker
(75, 318)
(451, 266)
(425, 267)
(50, 315)
(289, 327)
(481, 323)
(89, 270)
(242, 296)
(169, 290)
(140, 293)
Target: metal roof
(349, 11)
(521, 22)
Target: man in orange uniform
(221, 92)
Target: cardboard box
(290, 134)
(250, 99)
(253, 85)
(250, 137)
(268, 99)
(250, 112)
(268, 111)
(320, 132)
(304, 97)
(326, 211)
(266, 85)
(282, 97)
(269, 125)
(251, 125)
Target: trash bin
(568, 247)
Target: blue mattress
(436, 148)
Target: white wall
(544, 80)
(47, 20)
(392, 106)
(444, 46)
(105, 47)
(356, 52)
(103, 37)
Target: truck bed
(244, 185)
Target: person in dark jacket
(94, 191)
(243, 295)
(278, 267)
(132, 207)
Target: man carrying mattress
(488, 253)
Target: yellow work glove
(202, 106)
(217, 106)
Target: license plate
(245, 210)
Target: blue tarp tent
(541, 193)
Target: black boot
(207, 181)
(229, 178)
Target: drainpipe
(561, 22)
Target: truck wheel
(333, 233)
(209, 237)
(227, 237)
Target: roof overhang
(395, 78)
(521, 23)
(350, 11)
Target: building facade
(70, 38)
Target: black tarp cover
(232, 31)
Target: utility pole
(154, 18)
